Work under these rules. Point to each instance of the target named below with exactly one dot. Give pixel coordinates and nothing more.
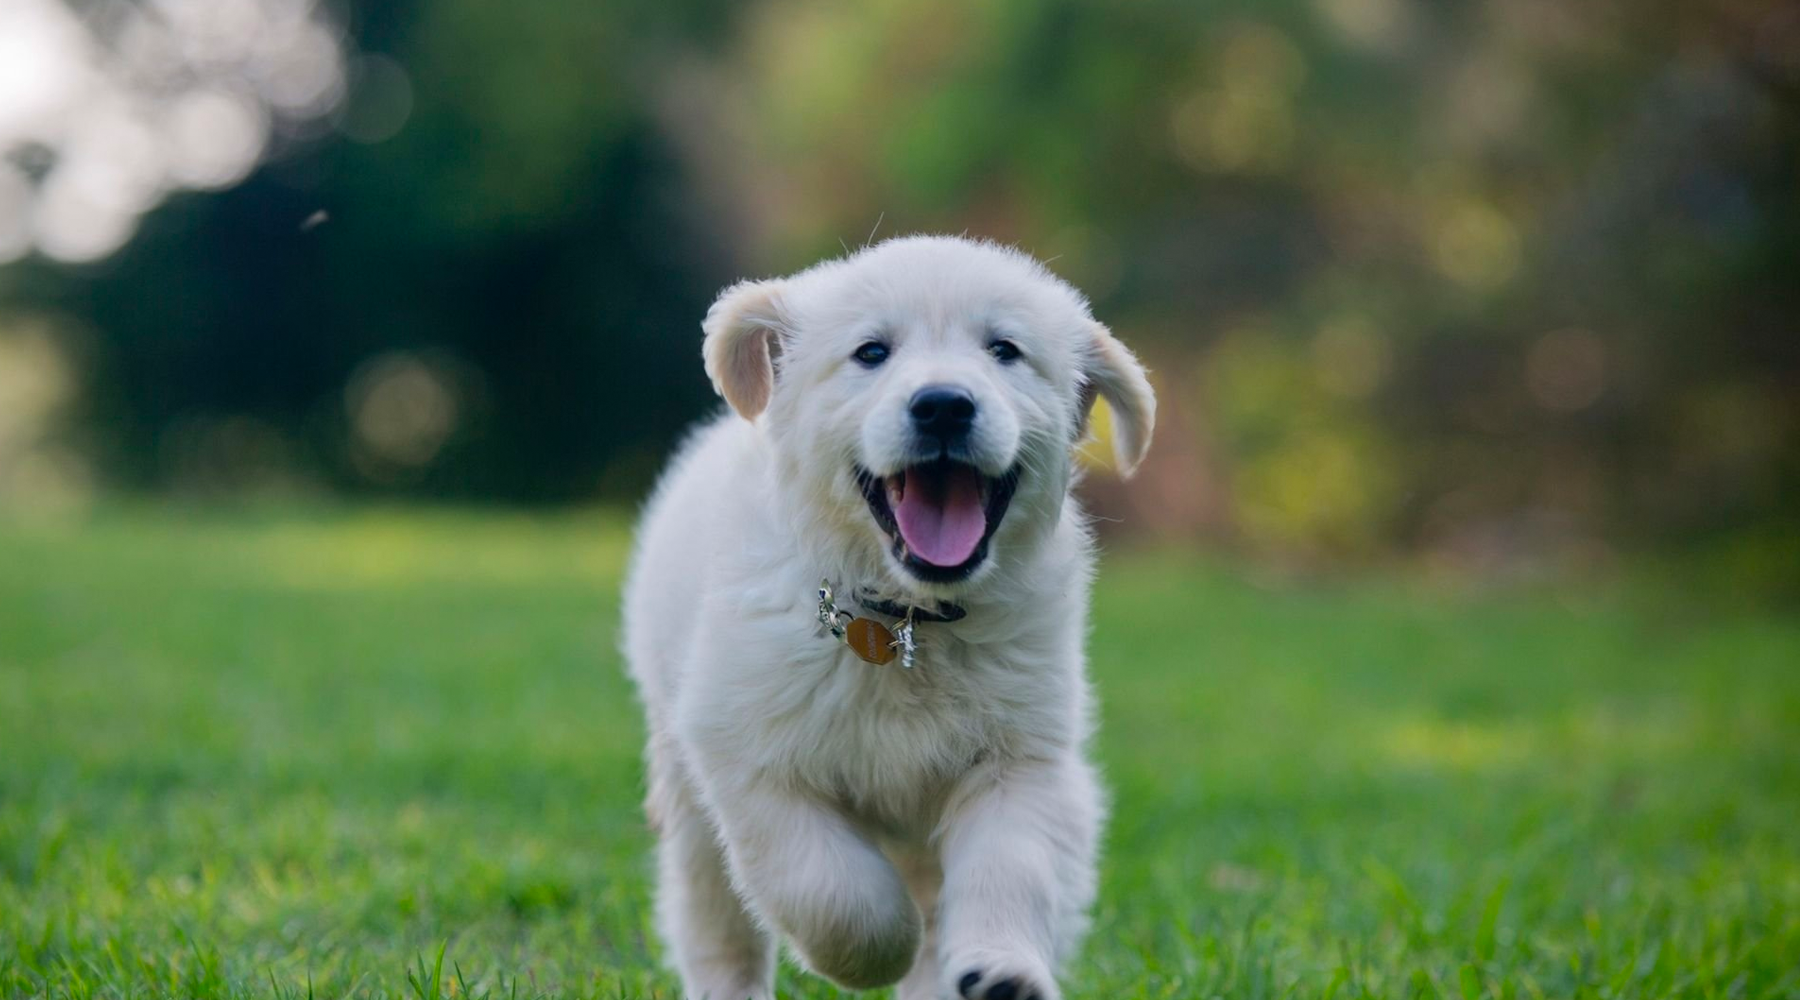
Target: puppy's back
(683, 525)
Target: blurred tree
(1488, 278)
(1471, 277)
(525, 246)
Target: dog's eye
(1005, 351)
(871, 353)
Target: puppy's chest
(888, 740)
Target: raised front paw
(999, 981)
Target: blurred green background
(1506, 286)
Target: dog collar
(870, 639)
(945, 611)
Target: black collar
(946, 612)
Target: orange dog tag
(870, 640)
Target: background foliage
(1509, 283)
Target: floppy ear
(741, 331)
(1112, 372)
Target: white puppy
(904, 424)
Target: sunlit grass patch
(267, 754)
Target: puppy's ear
(742, 331)
(1112, 372)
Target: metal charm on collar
(866, 637)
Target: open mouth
(939, 515)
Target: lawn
(394, 754)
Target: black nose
(942, 411)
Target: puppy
(903, 428)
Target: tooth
(896, 489)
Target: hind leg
(718, 949)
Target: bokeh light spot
(38, 474)
(381, 99)
(215, 137)
(73, 226)
(120, 104)
(1475, 245)
(1374, 25)
(1566, 370)
(15, 202)
(402, 409)
(1350, 359)
(1243, 121)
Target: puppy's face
(927, 392)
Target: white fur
(892, 825)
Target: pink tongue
(940, 514)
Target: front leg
(805, 869)
(1018, 851)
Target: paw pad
(1005, 988)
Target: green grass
(393, 754)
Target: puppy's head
(925, 394)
